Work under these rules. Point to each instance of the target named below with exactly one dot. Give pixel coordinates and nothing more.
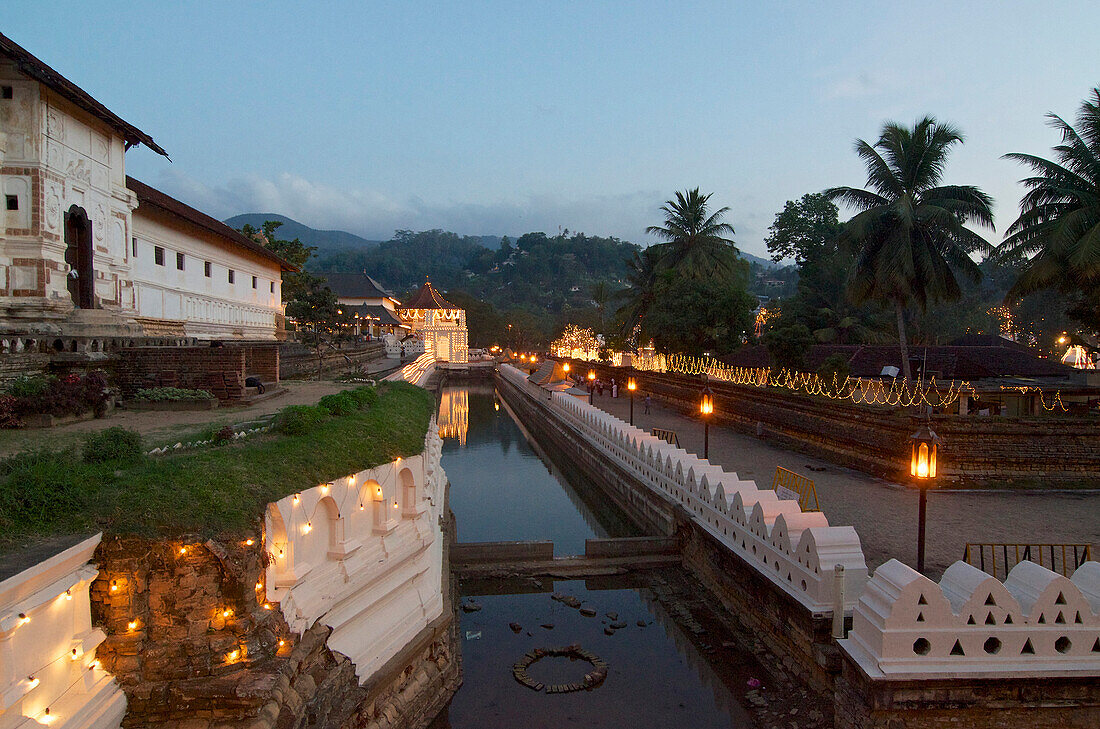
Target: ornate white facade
(439, 324)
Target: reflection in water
(503, 487)
(454, 414)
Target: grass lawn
(205, 492)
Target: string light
(307, 528)
(32, 682)
(23, 619)
(114, 585)
(324, 488)
(249, 542)
(295, 499)
(183, 550)
(267, 606)
(68, 594)
(132, 625)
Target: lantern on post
(631, 386)
(591, 385)
(565, 367)
(706, 409)
(923, 469)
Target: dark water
(503, 488)
(681, 668)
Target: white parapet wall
(798, 551)
(364, 555)
(48, 672)
(1036, 623)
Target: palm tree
(1059, 225)
(600, 295)
(909, 236)
(641, 279)
(694, 243)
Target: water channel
(674, 663)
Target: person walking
(614, 388)
(647, 402)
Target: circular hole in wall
(992, 646)
(1062, 645)
(921, 646)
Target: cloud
(856, 86)
(376, 215)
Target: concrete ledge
(631, 547)
(480, 552)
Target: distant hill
(325, 240)
(765, 262)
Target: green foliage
(788, 346)
(29, 385)
(162, 394)
(206, 492)
(694, 316)
(1058, 230)
(294, 284)
(339, 404)
(301, 419)
(834, 366)
(365, 396)
(695, 243)
(910, 236)
(114, 445)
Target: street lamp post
(631, 386)
(922, 468)
(706, 408)
(591, 385)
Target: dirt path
(159, 428)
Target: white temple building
(438, 323)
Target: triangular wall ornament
(1028, 649)
(921, 600)
(957, 649)
(989, 600)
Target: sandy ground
(885, 513)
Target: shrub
(72, 394)
(164, 394)
(300, 419)
(113, 444)
(224, 435)
(365, 396)
(834, 364)
(29, 386)
(8, 416)
(789, 345)
(340, 403)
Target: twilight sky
(506, 117)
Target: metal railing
(791, 485)
(998, 559)
(669, 436)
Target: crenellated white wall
(1036, 622)
(364, 555)
(799, 552)
(47, 648)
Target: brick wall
(296, 360)
(262, 360)
(220, 370)
(1025, 450)
(15, 364)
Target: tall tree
(806, 228)
(694, 245)
(641, 281)
(291, 251)
(1058, 230)
(910, 236)
(601, 293)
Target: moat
(671, 658)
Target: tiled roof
(152, 197)
(355, 286)
(384, 316)
(428, 298)
(39, 71)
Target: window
(232, 275)
(133, 247)
(11, 202)
(179, 261)
(158, 255)
(272, 287)
(253, 282)
(206, 269)
(5, 92)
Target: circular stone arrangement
(592, 679)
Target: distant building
(440, 324)
(373, 308)
(88, 254)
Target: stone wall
(875, 439)
(262, 360)
(15, 365)
(194, 645)
(219, 370)
(297, 360)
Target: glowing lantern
(922, 462)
